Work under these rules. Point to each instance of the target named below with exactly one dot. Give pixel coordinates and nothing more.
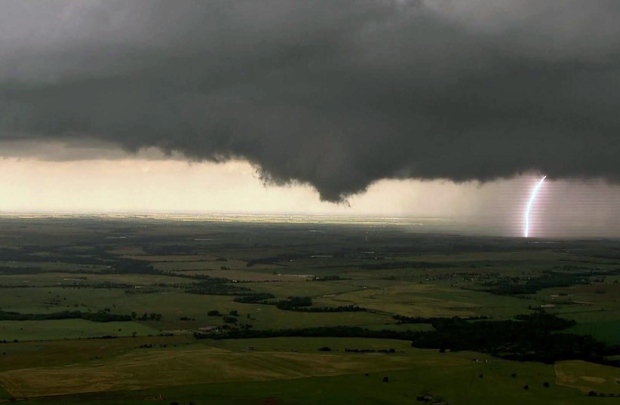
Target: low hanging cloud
(335, 94)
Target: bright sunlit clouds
(176, 186)
(137, 185)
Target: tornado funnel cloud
(526, 232)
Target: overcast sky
(396, 107)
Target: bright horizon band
(529, 206)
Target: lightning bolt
(529, 206)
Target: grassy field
(227, 375)
(53, 265)
(607, 331)
(60, 353)
(427, 300)
(200, 363)
(69, 329)
(329, 390)
(588, 377)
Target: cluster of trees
(99, 316)
(329, 278)
(102, 337)
(274, 259)
(334, 331)
(402, 319)
(146, 290)
(534, 337)
(29, 254)
(387, 351)
(20, 270)
(341, 308)
(16, 255)
(231, 318)
(404, 265)
(601, 394)
(254, 298)
(216, 288)
(370, 350)
(153, 316)
(294, 303)
(131, 266)
(514, 286)
(150, 346)
(213, 286)
(215, 312)
(545, 321)
(205, 285)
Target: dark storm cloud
(336, 94)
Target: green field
(228, 375)
(166, 278)
(607, 331)
(69, 329)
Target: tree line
(294, 303)
(531, 337)
(99, 316)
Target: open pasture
(69, 329)
(427, 300)
(87, 279)
(232, 375)
(156, 266)
(588, 377)
(195, 364)
(58, 353)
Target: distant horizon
(455, 226)
(147, 212)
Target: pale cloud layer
(138, 185)
(177, 186)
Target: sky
(444, 108)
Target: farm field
(69, 329)
(118, 310)
(320, 376)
